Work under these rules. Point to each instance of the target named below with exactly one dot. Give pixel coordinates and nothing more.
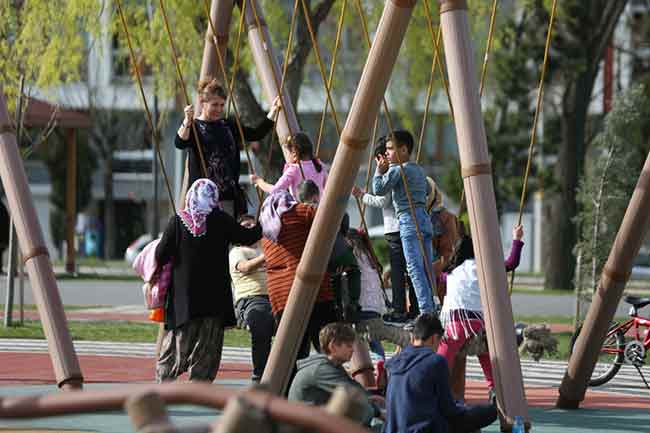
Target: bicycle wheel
(610, 357)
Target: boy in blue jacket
(418, 398)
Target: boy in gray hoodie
(319, 374)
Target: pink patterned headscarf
(200, 200)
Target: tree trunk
(109, 210)
(560, 263)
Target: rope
(279, 87)
(235, 66)
(199, 146)
(402, 173)
(328, 93)
(337, 43)
(285, 69)
(222, 66)
(319, 60)
(437, 57)
(144, 101)
(425, 116)
(533, 134)
(488, 47)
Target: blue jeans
(418, 267)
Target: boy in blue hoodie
(418, 397)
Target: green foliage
(44, 41)
(617, 155)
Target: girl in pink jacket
(301, 150)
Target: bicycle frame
(637, 322)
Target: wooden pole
(268, 69)
(350, 152)
(39, 268)
(482, 211)
(613, 279)
(70, 199)
(361, 367)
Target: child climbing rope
(462, 313)
(304, 163)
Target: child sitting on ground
(371, 299)
(388, 177)
(342, 257)
(301, 150)
(462, 312)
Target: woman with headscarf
(199, 304)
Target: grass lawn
(136, 332)
(128, 332)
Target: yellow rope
(337, 43)
(488, 47)
(285, 69)
(319, 60)
(533, 134)
(437, 57)
(235, 67)
(138, 77)
(222, 66)
(199, 146)
(425, 116)
(329, 95)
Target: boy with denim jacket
(388, 177)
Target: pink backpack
(145, 266)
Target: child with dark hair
(371, 299)
(304, 164)
(462, 313)
(418, 397)
(388, 177)
(342, 258)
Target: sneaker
(395, 318)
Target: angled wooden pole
(481, 204)
(349, 154)
(268, 69)
(613, 279)
(36, 258)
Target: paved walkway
(27, 370)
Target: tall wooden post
(39, 267)
(481, 205)
(70, 199)
(613, 279)
(269, 73)
(221, 15)
(350, 152)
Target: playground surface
(29, 372)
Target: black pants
(255, 313)
(474, 418)
(399, 279)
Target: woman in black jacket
(220, 142)
(199, 305)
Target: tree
(617, 152)
(576, 57)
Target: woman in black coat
(199, 304)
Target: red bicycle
(625, 343)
